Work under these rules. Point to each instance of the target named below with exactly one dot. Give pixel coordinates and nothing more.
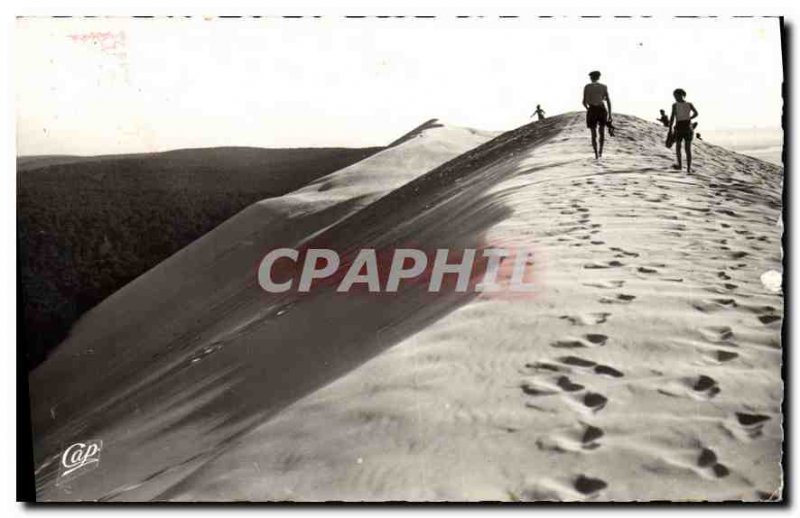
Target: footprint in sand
(768, 319)
(532, 389)
(551, 387)
(608, 371)
(546, 366)
(586, 319)
(565, 384)
(582, 437)
(750, 420)
(593, 401)
(766, 314)
(589, 486)
(706, 385)
(746, 426)
(591, 436)
(713, 305)
(704, 462)
(717, 334)
(570, 363)
(619, 299)
(588, 340)
(720, 356)
(707, 460)
(601, 266)
(575, 361)
(698, 387)
(623, 252)
(596, 338)
(583, 400)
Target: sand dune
(89, 225)
(131, 352)
(646, 366)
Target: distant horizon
(717, 138)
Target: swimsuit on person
(683, 117)
(594, 94)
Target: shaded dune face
(89, 225)
(204, 300)
(634, 361)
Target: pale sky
(113, 85)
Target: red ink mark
(106, 40)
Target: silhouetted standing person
(594, 95)
(539, 112)
(682, 114)
(664, 119)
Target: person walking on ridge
(594, 95)
(682, 114)
(539, 112)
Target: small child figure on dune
(539, 112)
(682, 114)
(663, 119)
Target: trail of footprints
(552, 378)
(555, 378)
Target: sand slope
(87, 226)
(645, 367)
(124, 373)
